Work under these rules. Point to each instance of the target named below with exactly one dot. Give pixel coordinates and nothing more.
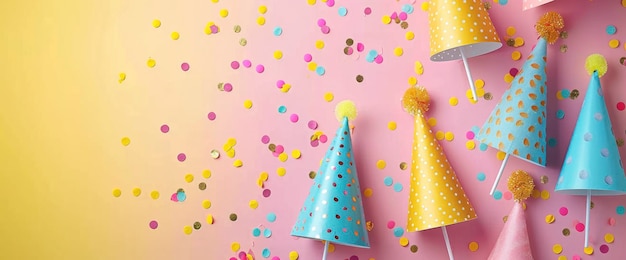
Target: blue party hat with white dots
(592, 163)
(333, 210)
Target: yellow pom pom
(521, 184)
(416, 99)
(345, 108)
(550, 26)
(596, 62)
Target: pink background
(151, 97)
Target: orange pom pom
(550, 26)
(416, 100)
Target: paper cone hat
(517, 125)
(513, 242)
(436, 197)
(333, 210)
(456, 25)
(592, 162)
(528, 4)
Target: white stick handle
(469, 75)
(587, 218)
(326, 243)
(445, 237)
(495, 183)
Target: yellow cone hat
(460, 25)
(436, 197)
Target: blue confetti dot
(256, 232)
(497, 195)
(620, 210)
(271, 217)
(266, 252)
(552, 142)
(397, 187)
(407, 8)
(504, 2)
(342, 11)
(320, 70)
(481, 176)
(267, 232)
(483, 147)
(278, 31)
(181, 196)
(560, 114)
(388, 181)
(372, 53)
(565, 93)
(398, 231)
(611, 29)
(282, 109)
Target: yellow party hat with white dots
(436, 197)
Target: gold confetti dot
(588, 250)
(550, 218)
(510, 31)
(117, 192)
(381, 164)
(473, 246)
(368, 192)
(392, 125)
(557, 248)
(404, 241)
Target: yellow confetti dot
(281, 171)
(479, 83)
(470, 145)
(386, 19)
(473, 246)
(260, 20)
(117, 192)
(404, 241)
(329, 96)
(156, 23)
(562, 257)
(432, 121)
(319, 44)
(311, 2)
(449, 136)
(175, 35)
(206, 173)
(206, 204)
(249, 257)
(453, 101)
(312, 66)
(469, 95)
(409, 35)
(260, 183)
(440, 135)
(155, 195)
(237, 163)
(331, 248)
(508, 78)
(519, 42)
(425, 6)
(262, 9)
(215, 1)
(557, 249)
(293, 255)
(516, 55)
(412, 81)
(381, 164)
(151, 63)
(609, 238)
(588, 250)
(296, 154)
(510, 31)
(614, 43)
(398, 51)
(278, 55)
(419, 68)
(536, 194)
(187, 230)
(122, 77)
(223, 13)
(545, 194)
(559, 95)
(392, 125)
(283, 157)
(209, 219)
(286, 87)
(235, 246)
(480, 92)
(550, 218)
(368, 192)
(624, 3)
(247, 104)
(136, 192)
(500, 155)
(264, 176)
(253, 204)
(189, 178)
(125, 141)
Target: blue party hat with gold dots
(333, 210)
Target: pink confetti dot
(294, 118)
(181, 157)
(211, 116)
(234, 64)
(621, 106)
(354, 257)
(367, 11)
(276, 257)
(402, 16)
(267, 193)
(378, 59)
(154, 224)
(265, 139)
(228, 87)
(576, 257)
(312, 125)
(165, 128)
(513, 71)
(507, 195)
(275, 154)
(580, 227)
(563, 211)
(349, 51)
(214, 29)
(315, 143)
(360, 47)
(242, 255)
(233, 258)
(247, 63)
(280, 83)
(321, 22)
(260, 68)
(184, 66)
(323, 138)
(394, 15)
(279, 149)
(391, 224)
(308, 57)
(325, 29)
(611, 221)
(174, 197)
(470, 135)
(604, 249)
(330, 3)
